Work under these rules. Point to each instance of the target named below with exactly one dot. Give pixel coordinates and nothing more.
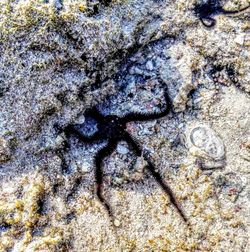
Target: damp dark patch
(83, 57)
(4, 227)
(3, 91)
(130, 95)
(94, 6)
(69, 217)
(98, 82)
(106, 2)
(41, 206)
(82, 92)
(50, 111)
(55, 188)
(65, 168)
(61, 97)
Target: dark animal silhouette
(206, 11)
(113, 129)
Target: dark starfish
(206, 11)
(113, 129)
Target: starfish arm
(148, 116)
(101, 154)
(156, 175)
(234, 11)
(94, 113)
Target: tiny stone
(81, 166)
(117, 223)
(122, 149)
(84, 168)
(137, 70)
(59, 141)
(240, 39)
(137, 176)
(140, 164)
(149, 66)
(118, 180)
(80, 119)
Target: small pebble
(240, 39)
(149, 65)
(84, 168)
(59, 141)
(118, 180)
(117, 223)
(122, 149)
(137, 176)
(140, 164)
(80, 119)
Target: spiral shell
(203, 141)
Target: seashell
(203, 141)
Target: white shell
(203, 141)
